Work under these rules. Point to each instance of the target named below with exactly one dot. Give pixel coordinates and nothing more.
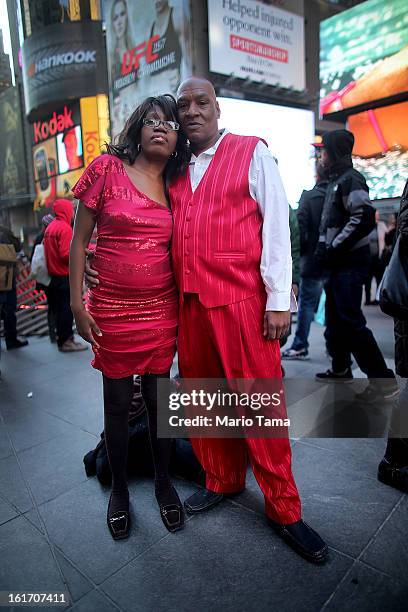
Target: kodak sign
(90, 129)
(57, 124)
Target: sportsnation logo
(62, 59)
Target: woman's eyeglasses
(168, 125)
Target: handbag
(393, 290)
(8, 259)
(39, 271)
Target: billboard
(363, 55)
(148, 52)
(251, 40)
(13, 177)
(69, 148)
(63, 143)
(381, 148)
(288, 132)
(61, 62)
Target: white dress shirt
(265, 187)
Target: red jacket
(57, 239)
(217, 236)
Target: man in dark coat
(343, 248)
(311, 284)
(393, 469)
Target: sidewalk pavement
(53, 534)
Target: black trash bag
(183, 462)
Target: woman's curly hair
(126, 145)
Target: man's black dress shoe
(172, 515)
(303, 539)
(118, 523)
(202, 500)
(390, 474)
(14, 344)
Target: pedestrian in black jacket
(311, 283)
(343, 249)
(393, 469)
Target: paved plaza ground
(53, 534)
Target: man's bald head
(198, 113)
(197, 83)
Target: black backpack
(183, 462)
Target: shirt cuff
(282, 301)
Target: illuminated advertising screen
(364, 55)
(69, 148)
(148, 52)
(64, 61)
(252, 40)
(57, 153)
(288, 133)
(64, 143)
(381, 148)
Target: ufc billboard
(62, 62)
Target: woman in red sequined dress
(131, 315)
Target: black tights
(118, 394)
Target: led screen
(363, 55)
(288, 132)
(58, 156)
(69, 145)
(381, 148)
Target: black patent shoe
(303, 539)
(118, 523)
(172, 514)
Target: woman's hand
(85, 325)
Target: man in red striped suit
(232, 261)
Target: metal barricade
(31, 304)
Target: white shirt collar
(212, 150)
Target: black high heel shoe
(172, 514)
(118, 522)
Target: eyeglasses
(168, 125)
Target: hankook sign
(61, 62)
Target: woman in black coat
(393, 469)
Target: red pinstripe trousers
(227, 342)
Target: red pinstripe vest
(217, 235)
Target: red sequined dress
(136, 303)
